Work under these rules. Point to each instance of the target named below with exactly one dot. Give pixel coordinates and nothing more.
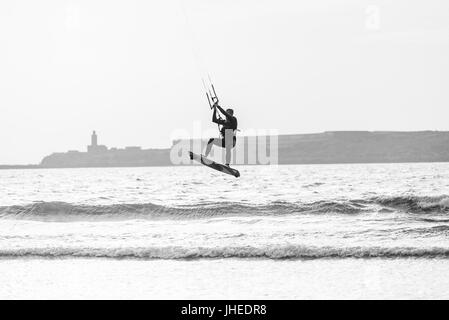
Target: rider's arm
(223, 111)
(215, 119)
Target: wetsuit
(230, 123)
(228, 138)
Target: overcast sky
(132, 69)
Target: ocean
(349, 231)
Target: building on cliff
(100, 156)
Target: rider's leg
(229, 144)
(209, 146)
(213, 141)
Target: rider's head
(230, 111)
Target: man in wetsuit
(227, 132)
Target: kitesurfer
(228, 130)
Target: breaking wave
(273, 252)
(416, 204)
(67, 211)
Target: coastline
(37, 167)
(330, 147)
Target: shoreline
(37, 167)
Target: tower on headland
(94, 147)
(94, 139)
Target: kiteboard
(211, 164)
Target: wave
(270, 252)
(67, 211)
(416, 204)
(62, 210)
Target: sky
(132, 70)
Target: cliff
(365, 147)
(131, 157)
(350, 147)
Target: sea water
(279, 232)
